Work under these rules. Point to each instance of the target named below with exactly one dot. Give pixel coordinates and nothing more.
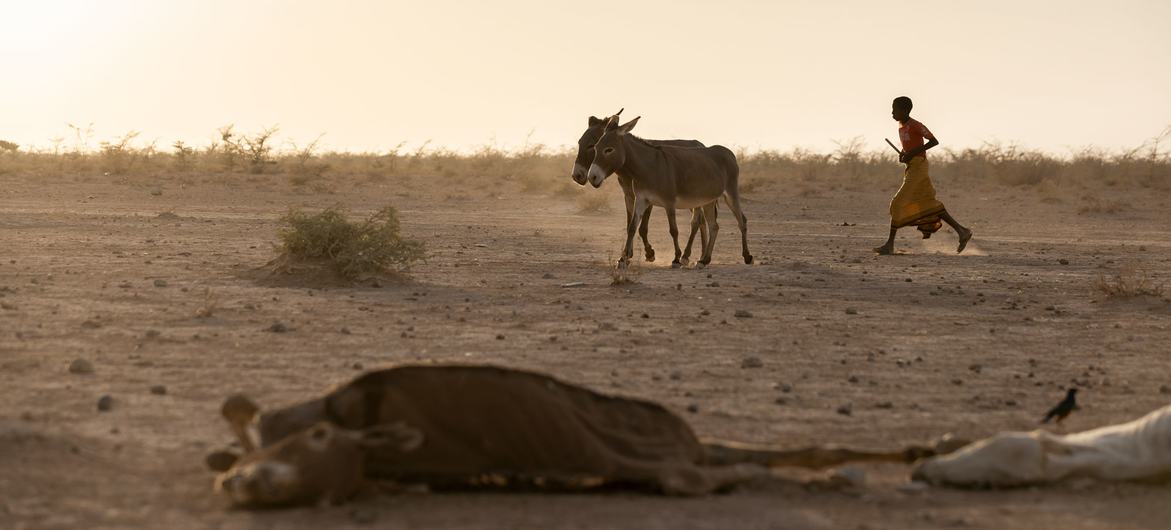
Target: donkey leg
(713, 229)
(642, 231)
(640, 207)
(732, 197)
(628, 197)
(696, 226)
(674, 229)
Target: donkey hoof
(701, 265)
(650, 255)
(748, 259)
(676, 264)
(622, 264)
(684, 261)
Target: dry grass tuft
(620, 276)
(1094, 205)
(353, 249)
(1128, 282)
(209, 305)
(593, 203)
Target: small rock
(693, 408)
(1165, 389)
(344, 331)
(676, 375)
(105, 403)
(957, 381)
(357, 366)
(1063, 261)
(786, 388)
(500, 337)
(850, 476)
(573, 284)
(363, 516)
(547, 276)
(81, 366)
(160, 283)
(975, 368)
(91, 324)
(153, 333)
(220, 460)
(751, 362)
(741, 313)
(851, 311)
(158, 390)
(278, 327)
(156, 191)
(846, 410)
(852, 379)
(884, 405)
(781, 400)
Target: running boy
(915, 202)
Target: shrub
(354, 250)
(1128, 282)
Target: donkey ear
(619, 113)
(612, 122)
(626, 127)
(594, 122)
(397, 435)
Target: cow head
(323, 463)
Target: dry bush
(1095, 205)
(353, 250)
(593, 203)
(209, 305)
(1128, 282)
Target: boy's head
(901, 108)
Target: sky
(1051, 75)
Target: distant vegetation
(540, 169)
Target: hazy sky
(755, 74)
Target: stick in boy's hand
(892, 146)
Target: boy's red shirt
(911, 135)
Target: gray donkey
(585, 155)
(670, 177)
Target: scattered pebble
(851, 311)
(1165, 389)
(105, 403)
(751, 362)
(160, 282)
(278, 327)
(884, 405)
(846, 410)
(158, 390)
(693, 408)
(786, 388)
(742, 313)
(573, 284)
(500, 336)
(357, 366)
(676, 375)
(81, 366)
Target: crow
(1067, 405)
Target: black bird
(1067, 405)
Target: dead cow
(1137, 450)
(451, 425)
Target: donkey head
(585, 147)
(609, 152)
(323, 463)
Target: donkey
(585, 155)
(670, 177)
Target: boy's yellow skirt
(915, 203)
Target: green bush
(353, 249)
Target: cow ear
(594, 122)
(397, 435)
(626, 127)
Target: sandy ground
(917, 344)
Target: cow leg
(732, 197)
(642, 232)
(640, 207)
(674, 229)
(713, 229)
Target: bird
(1067, 405)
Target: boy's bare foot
(885, 250)
(965, 236)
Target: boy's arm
(907, 156)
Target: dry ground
(154, 289)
